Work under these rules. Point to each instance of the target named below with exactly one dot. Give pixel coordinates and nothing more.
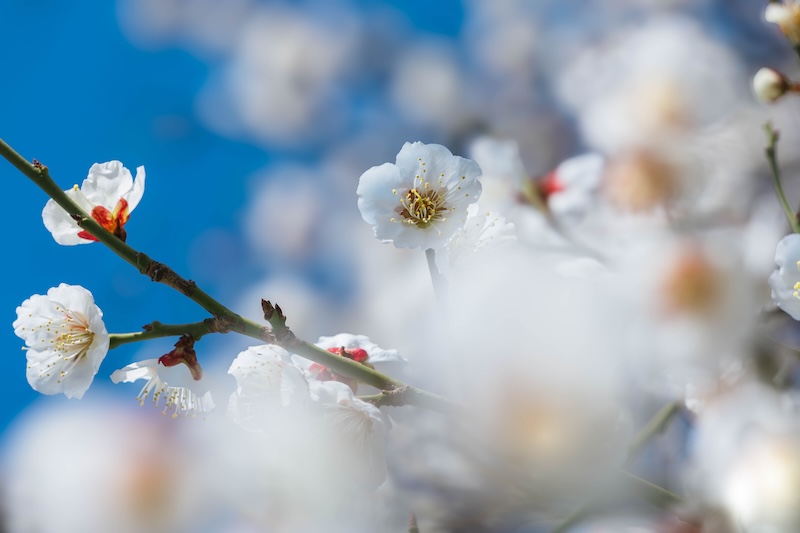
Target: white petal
(135, 371)
(107, 183)
(134, 195)
(58, 222)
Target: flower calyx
(183, 353)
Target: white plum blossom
(421, 200)
(108, 194)
(785, 281)
(266, 380)
(65, 339)
(178, 400)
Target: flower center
(421, 209)
(113, 221)
(74, 339)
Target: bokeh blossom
(108, 194)
(65, 338)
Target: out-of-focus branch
(771, 152)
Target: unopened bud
(769, 85)
(183, 353)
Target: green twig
(577, 516)
(650, 492)
(772, 157)
(655, 426)
(156, 330)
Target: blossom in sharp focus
(108, 194)
(785, 281)
(65, 339)
(785, 14)
(421, 200)
(178, 400)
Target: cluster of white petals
(421, 200)
(271, 384)
(177, 401)
(108, 194)
(65, 339)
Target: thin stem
(439, 281)
(772, 157)
(632, 484)
(655, 426)
(576, 516)
(650, 492)
(226, 320)
(156, 330)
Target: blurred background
(254, 120)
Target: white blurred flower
(428, 85)
(745, 457)
(97, 467)
(280, 83)
(266, 380)
(785, 281)
(108, 194)
(65, 339)
(420, 201)
(570, 188)
(651, 83)
(357, 427)
(181, 401)
(272, 390)
(503, 172)
(786, 14)
(481, 234)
